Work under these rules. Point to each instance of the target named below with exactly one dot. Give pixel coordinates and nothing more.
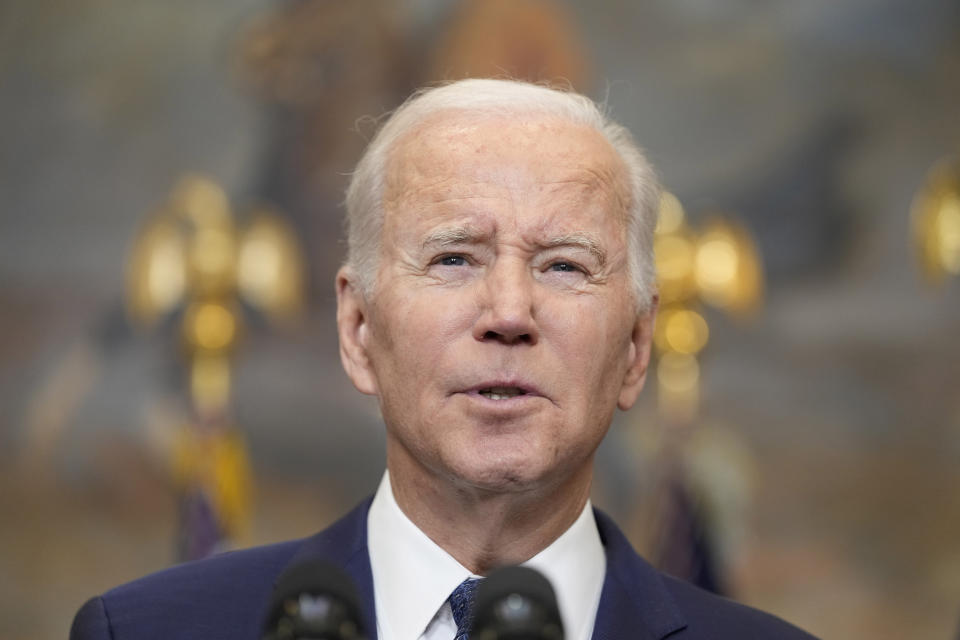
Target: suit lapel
(344, 544)
(634, 602)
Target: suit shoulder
(222, 596)
(221, 570)
(712, 616)
(91, 622)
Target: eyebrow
(454, 235)
(581, 241)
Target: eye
(452, 261)
(564, 266)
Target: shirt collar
(413, 576)
(575, 564)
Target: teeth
(501, 393)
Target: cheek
(582, 327)
(592, 345)
(417, 332)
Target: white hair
(498, 97)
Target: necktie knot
(461, 602)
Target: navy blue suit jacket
(225, 597)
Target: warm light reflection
(727, 268)
(674, 258)
(719, 265)
(211, 259)
(210, 382)
(671, 216)
(156, 277)
(678, 385)
(210, 326)
(949, 234)
(270, 266)
(936, 222)
(680, 331)
(201, 200)
(673, 248)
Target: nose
(507, 305)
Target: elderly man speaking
(498, 300)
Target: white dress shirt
(413, 577)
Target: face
(502, 331)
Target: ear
(639, 357)
(354, 330)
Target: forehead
(453, 159)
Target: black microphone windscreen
(314, 600)
(516, 603)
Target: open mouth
(502, 393)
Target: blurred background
(798, 446)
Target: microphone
(314, 600)
(516, 603)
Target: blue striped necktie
(461, 601)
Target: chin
(504, 474)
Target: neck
(484, 528)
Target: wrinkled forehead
(448, 150)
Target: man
(498, 300)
